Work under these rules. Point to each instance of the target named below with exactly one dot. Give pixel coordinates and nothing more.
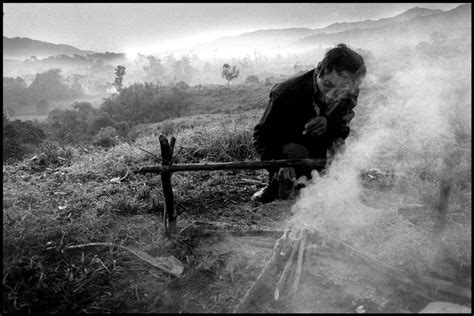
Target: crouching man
(308, 116)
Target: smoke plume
(412, 113)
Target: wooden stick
(201, 232)
(446, 286)
(284, 275)
(299, 265)
(264, 277)
(420, 287)
(251, 165)
(169, 264)
(169, 216)
(150, 153)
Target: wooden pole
(166, 155)
(284, 275)
(263, 283)
(299, 265)
(251, 165)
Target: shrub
(122, 128)
(99, 122)
(106, 137)
(145, 103)
(251, 80)
(18, 137)
(52, 154)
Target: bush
(251, 80)
(147, 103)
(67, 126)
(52, 154)
(106, 137)
(18, 137)
(103, 120)
(123, 128)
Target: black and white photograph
(237, 158)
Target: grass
(230, 99)
(45, 210)
(72, 201)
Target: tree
(49, 85)
(76, 87)
(17, 135)
(229, 73)
(119, 73)
(15, 94)
(182, 69)
(155, 70)
(251, 80)
(244, 64)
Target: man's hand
(316, 126)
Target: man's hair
(342, 58)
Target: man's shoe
(266, 194)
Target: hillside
(22, 48)
(84, 233)
(405, 16)
(414, 25)
(405, 32)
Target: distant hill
(405, 16)
(22, 48)
(409, 27)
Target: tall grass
(74, 203)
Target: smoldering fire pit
(309, 272)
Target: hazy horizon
(151, 27)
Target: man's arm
(265, 132)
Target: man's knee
(295, 151)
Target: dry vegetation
(75, 203)
(44, 211)
(72, 201)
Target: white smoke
(410, 106)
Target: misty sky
(122, 27)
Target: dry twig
(299, 265)
(284, 275)
(169, 264)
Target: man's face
(335, 86)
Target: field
(57, 217)
(46, 211)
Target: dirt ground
(225, 267)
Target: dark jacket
(289, 109)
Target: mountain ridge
(24, 47)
